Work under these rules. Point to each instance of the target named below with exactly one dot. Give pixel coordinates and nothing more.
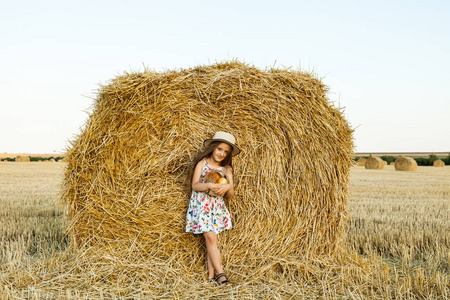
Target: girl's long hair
(207, 153)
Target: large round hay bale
(362, 161)
(405, 164)
(374, 163)
(22, 158)
(125, 182)
(438, 163)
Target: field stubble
(399, 228)
(403, 216)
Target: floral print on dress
(207, 213)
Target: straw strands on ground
(438, 163)
(374, 163)
(22, 158)
(405, 164)
(125, 186)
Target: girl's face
(221, 151)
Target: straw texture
(405, 164)
(22, 158)
(125, 187)
(438, 163)
(374, 163)
(362, 161)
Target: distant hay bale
(51, 160)
(374, 163)
(392, 163)
(22, 158)
(438, 163)
(125, 188)
(385, 162)
(405, 164)
(362, 161)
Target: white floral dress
(207, 213)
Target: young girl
(207, 214)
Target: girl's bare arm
(229, 172)
(196, 184)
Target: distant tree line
(36, 158)
(421, 161)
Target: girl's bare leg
(210, 267)
(213, 252)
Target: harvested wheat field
(397, 240)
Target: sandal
(226, 282)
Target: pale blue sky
(386, 62)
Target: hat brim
(235, 150)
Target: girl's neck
(212, 163)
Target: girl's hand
(229, 171)
(220, 189)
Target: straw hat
(221, 136)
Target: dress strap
(206, 163)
